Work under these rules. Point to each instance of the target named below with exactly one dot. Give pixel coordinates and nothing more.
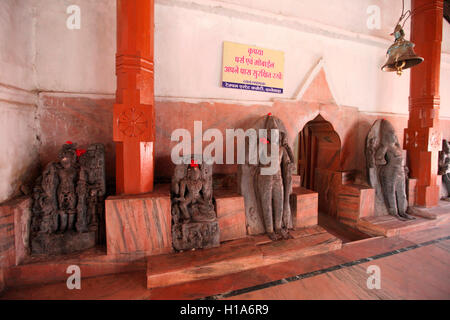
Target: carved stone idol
(194, 218)
(444, 167)
(68, 201)
(387, 173)
(266, 184)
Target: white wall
(76, 60)
(18, 143)
(17, 44)
(188, 48)
(38, 53)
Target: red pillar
(134, 114)
(423, 135)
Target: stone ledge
(236, 256)
(389, 226)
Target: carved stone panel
(194, 217)
(267, 192)
(68, 201)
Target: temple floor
(413, 266)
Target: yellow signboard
(252, 68)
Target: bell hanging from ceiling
(401, 54)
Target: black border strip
(321, 271)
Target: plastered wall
(58, 84)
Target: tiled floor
(413, 266)
(421, 273)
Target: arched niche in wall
(319, 161)
(319, 148)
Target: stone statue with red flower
(68, 201)
(194, 219)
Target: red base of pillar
(134, 167)
(428, 196)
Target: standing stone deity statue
(273, 190)
(91, 188)
(444, 166)
(386, 170)
(194, 219)
(68, 201)
(66, 170)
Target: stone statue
(275, 189)
(386, 170)
(91, 189)
(66, 172)
(444, 166)
(68, 201)
(267, 196)
(194, 219)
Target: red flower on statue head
(193, 164)
(269, 114)
(68, 142)
(80, 152)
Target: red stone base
(355, 202)
(139, 223)
(235, 256)
(390, 226)
(15, 219)
(93, 263)
(304, 205)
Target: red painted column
(423, 135)
(134, 114)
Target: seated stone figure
(386, 170)
(194, 220)
(201, 208)
(444, 167)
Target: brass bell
(401, 54)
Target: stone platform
(389, 226)
(230, 214)
(304, 207)
(139, 223)
(56, 244)
(236, 256)
(94, 262)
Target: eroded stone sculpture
(386, 170)
(267, 196)
(444, 167)
(68, 201)
(194, 218)
(273, 190)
